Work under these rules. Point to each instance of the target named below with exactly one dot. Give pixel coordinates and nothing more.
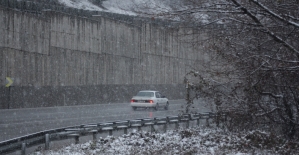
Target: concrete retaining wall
(48, 96)
(59, 59)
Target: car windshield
(146, 94)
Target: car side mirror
(163, 96)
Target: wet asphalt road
(19, 122)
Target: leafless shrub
(254, 61)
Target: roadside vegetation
(253, 70)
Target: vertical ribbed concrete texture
(58, 59)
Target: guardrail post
(217, 119)
(188, 121)
(207, 121)
(185, 118)
(177, 125)
(109, 129)
(197, 118)
(136, 123)
(151, 124)
(165, 127)
(123, 127)
(152, 128)
(76, 137)
(47, 142)
(23, 151)
(174, 120)
(125, 131)
(94, 135)
(162, 122)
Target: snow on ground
(195, 141)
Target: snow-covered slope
(116, 6)
(127, 7)
(80, 4)
(145, 8)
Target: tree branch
(270, 33)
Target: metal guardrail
(45, 137)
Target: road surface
(19, 122)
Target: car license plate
(141, 101)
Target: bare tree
(254, 48)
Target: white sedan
(149, 99)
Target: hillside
(127, 7)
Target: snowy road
(20, 122)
